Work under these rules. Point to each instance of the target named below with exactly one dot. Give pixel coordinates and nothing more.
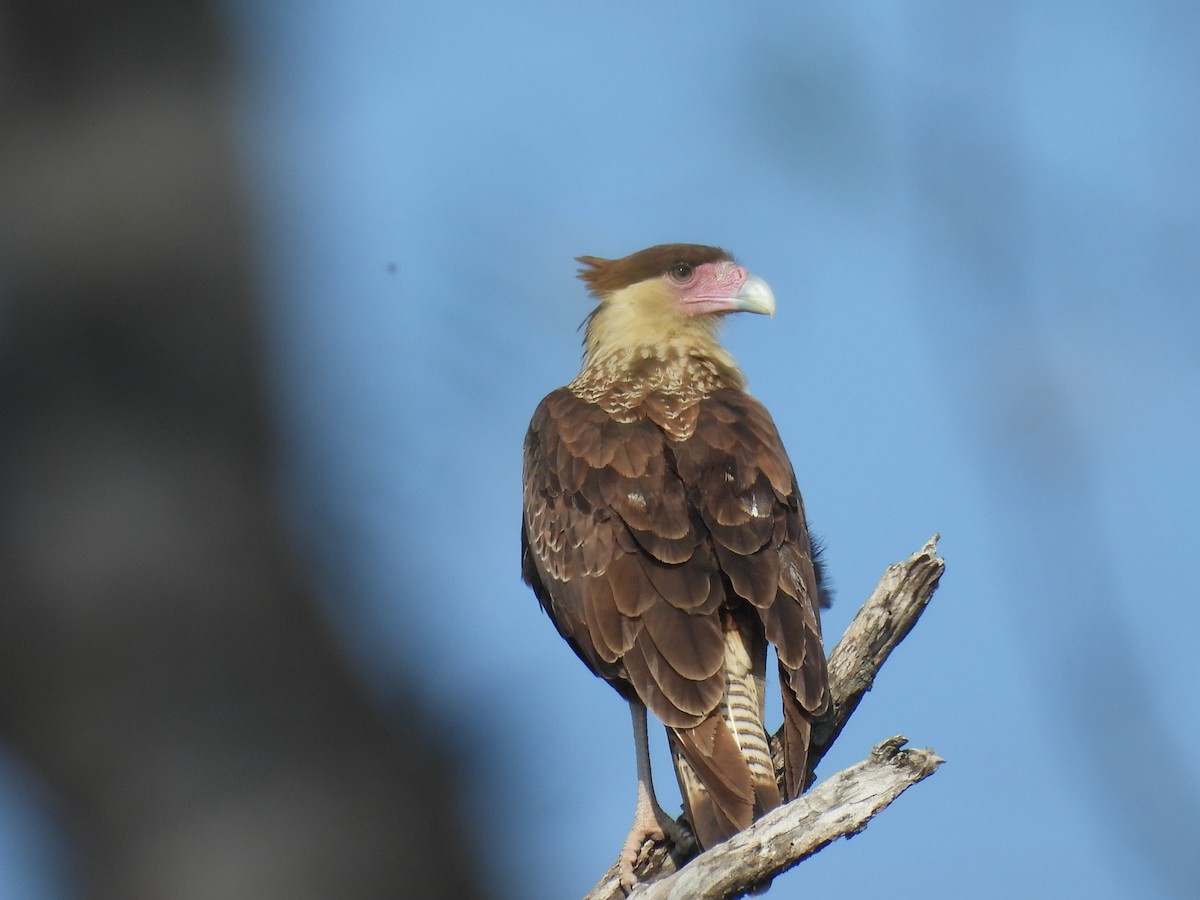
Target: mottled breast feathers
(643, 547)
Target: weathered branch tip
(887, 750)
(892, 750)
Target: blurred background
(281, 284)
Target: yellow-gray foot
(650, 826)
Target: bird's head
(670, 293)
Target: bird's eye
(682, 272)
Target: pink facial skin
(708, 288)
(718, 287)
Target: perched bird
(664, 535)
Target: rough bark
(843, 804)
(886, 618)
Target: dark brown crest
(607, 275)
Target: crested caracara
(664, 535)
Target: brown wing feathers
(642, 549)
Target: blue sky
(981, 227)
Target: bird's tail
(724, 765)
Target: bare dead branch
(841, 805)
(881, 624)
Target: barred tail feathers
(724, 765)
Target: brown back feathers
(668, 564)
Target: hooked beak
(755, 297)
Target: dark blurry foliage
(164, 671)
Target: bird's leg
(650, 821)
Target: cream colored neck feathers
(638, 333)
